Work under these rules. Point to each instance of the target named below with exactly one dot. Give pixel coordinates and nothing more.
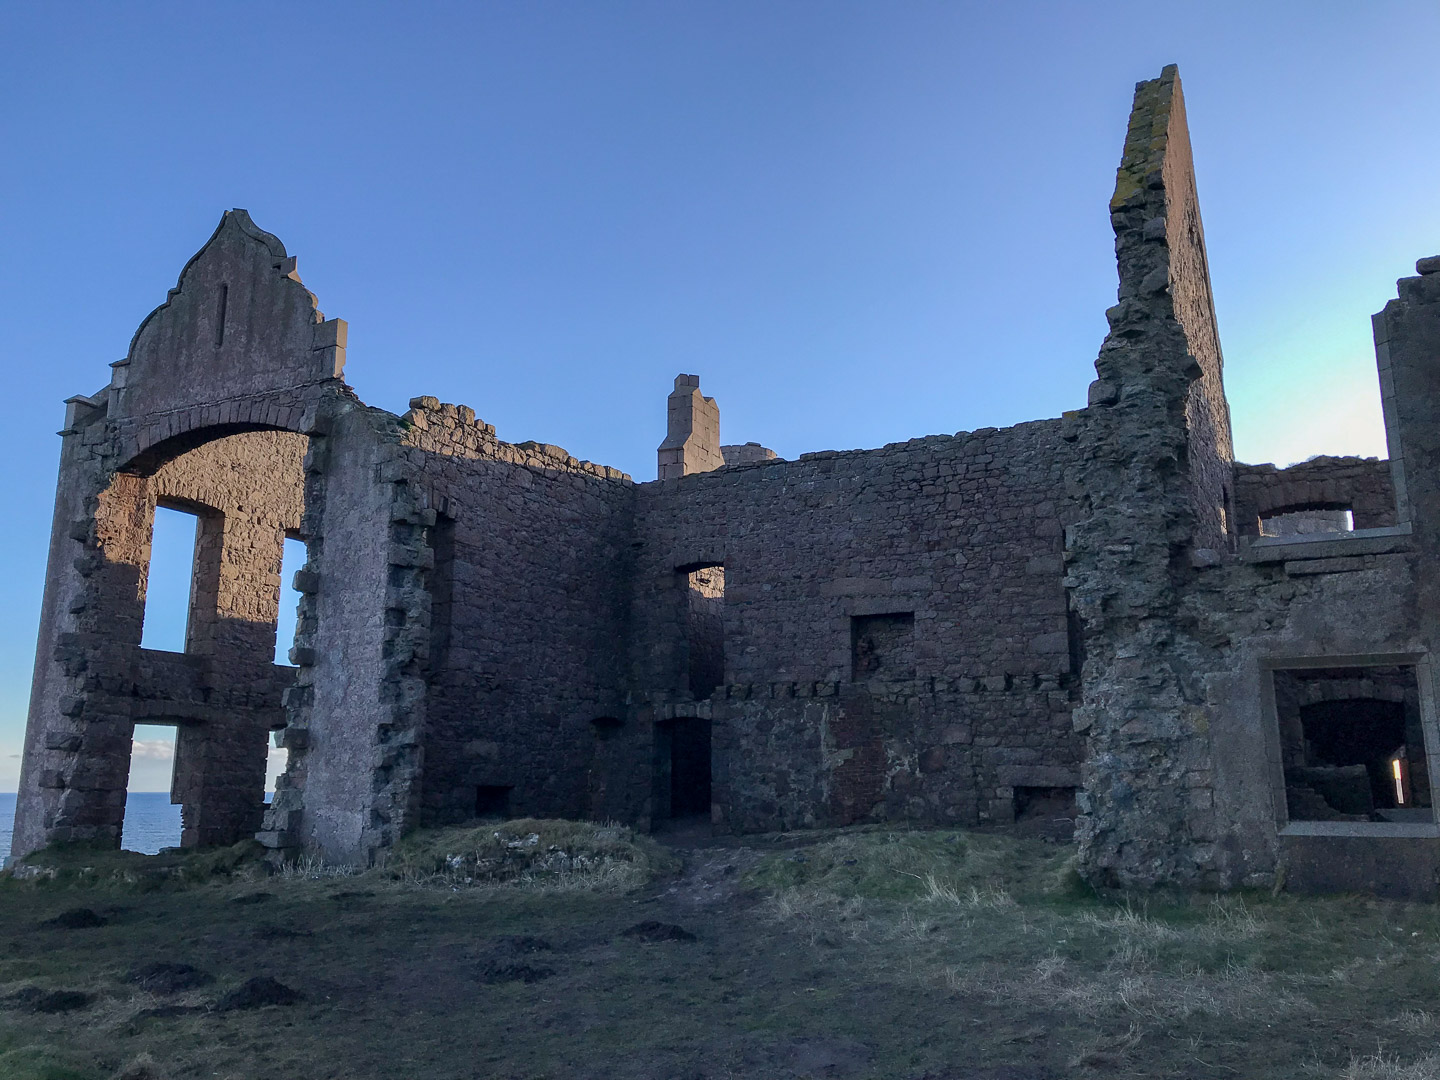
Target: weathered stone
(936, 631)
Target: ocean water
(152, 822)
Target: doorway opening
(682, 773)
(152, 821)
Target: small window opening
(293, 559)
(704, 629)
(152, 821)
(169, 580)
(1308, 521)
(275, 764)
(493, 801)
(882, 647)
(606, 727)
(1046, 811)
(1352, 744)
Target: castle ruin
(1228, 669)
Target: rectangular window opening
(292, 560)
(882, 647)
(169, 580)
(1352, 744)
(492, 801)
(1308, 521)
(152, 821)
(704, 629)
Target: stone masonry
(1102, 609)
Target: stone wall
(947, 549)
(1144, 472)
(535, 597)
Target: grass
(849, 953)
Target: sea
(152, 822)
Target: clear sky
(858, 222)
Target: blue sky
(858, 222)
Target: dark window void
(492, 801)
(1307, 520)
(683, 767)
(1046, 811)
(882, 646)
(168, 584)
(705, 629)
(1352, 744)
(151, 821)
(441, 582)
(292, 560)
(606, 727)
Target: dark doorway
(683, 767)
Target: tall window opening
(441, 582)
(275, 764)
(292, 560)
(151, 821)
(168, 586)
(704, 628)
(1352, 744)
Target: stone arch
(223, 692)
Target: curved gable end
(238, 324)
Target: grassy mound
(83, 864)
(533, 853)
(891, 864)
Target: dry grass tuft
(1383, 1066)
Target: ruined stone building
(1228, 667)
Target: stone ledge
(1329, 546)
